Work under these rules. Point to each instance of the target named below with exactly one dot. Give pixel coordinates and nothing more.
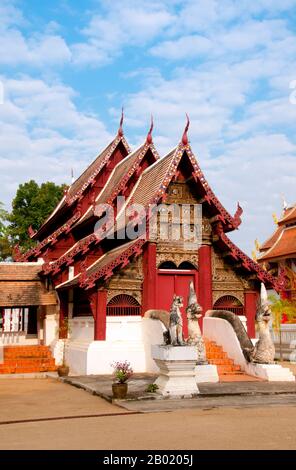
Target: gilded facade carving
(128, 281)
(129, 290)
(217, 294)
(226, 281)
(176, 254)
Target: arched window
(123, 305)
(186, 265)
(167, 265)
(230, 303)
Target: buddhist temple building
(105, 264)
(278, 253)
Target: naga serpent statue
(263, 352)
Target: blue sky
(67, 67)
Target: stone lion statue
(172, 321)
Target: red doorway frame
(177, 273)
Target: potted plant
(122, 372)
(64, 369)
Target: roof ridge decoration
(149, 135)
(51, 239)
(185, 136)
(210, 197)
(82, 246)
(134, 167)
(107, 271)
(91, 179)
(120, 129)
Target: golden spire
(275, 219)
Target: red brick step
(27, 359)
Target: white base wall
(124, 341)
(127, 338)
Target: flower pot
(119, 390)
(63, 370)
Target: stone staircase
(227, 370)
(27, 359)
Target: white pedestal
(177, 370)
(206, 373)
(271, 372)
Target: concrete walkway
(236, 394)
(47, 414)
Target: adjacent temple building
(101, 286)
(278, 253)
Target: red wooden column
(250, 311)
(63, 296)
(205, 290)
(98, 303)
(150, 277)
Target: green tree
(30, 207)
(5, 246)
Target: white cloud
(186, 46)
(35, 49)
(43, 135)
(124, 24)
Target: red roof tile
(271, 240)
(284, 246)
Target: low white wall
(51, 324)
(123, 342)
(17, 339)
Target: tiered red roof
(282, 243)
(283, 247)
(74, 194)
(151, 189)
(143, 180)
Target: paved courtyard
(48, 414)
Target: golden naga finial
(275, 218)
(257, 245)
(254, 255)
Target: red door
(170, 282)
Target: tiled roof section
(285, 245)
(20, 271)
(79, 186)
(289, 216)
(104, 266)
(39, 248)
(154, 181)
(82, 246)
(151, 180)
(25, 293)
(271, 240)
(119, 177)
(249, 264)
(87, 177)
